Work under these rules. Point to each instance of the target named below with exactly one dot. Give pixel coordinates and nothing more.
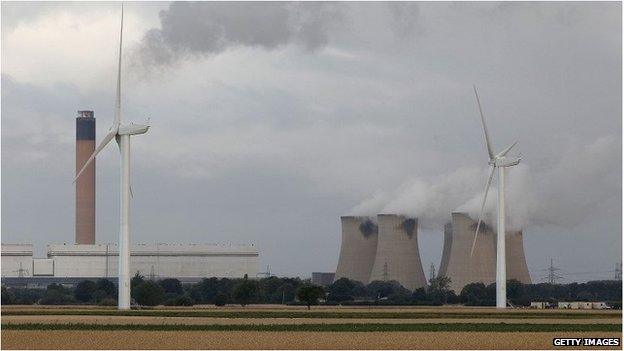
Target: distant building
(72, 263)
(600, 305)
(322, 278)
(582, 305)
(539, 304)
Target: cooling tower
(398, 257)
(85, 185)
(463, 269)
(516, 262)
(358, 248)
(446, 250)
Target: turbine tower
(500, 161)
(121, 132)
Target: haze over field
(270, 120)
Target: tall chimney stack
(85, 185)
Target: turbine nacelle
(132, 129)
(505, 161)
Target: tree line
(275, 290)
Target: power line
(552, 276)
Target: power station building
(463, 269)
(71, 263)
(358, 249)
(87, 260)
(398, 256)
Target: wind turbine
(121, 132)
(500, 161)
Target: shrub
(134, 283)
(179, 301)
(172, 286)
(55, 297)
(245, 292)
(310, 294)
(149, 293)
(107, 286)
(98, 296)
(107, 302)
(7, 297)
(84, 290)
(221, 299)
(27, 296)
(345, 289)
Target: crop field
(276, 327)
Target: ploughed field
(281, 327)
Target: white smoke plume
(563, 193)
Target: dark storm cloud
(212, 27)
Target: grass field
(264, 327)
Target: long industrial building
(398, 257)
(462, 269)
(358, 248)
(156, 261)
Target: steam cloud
(585, 180)
(199, 28)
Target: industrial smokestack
(85, 185)
(398, 257)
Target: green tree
(84, 290)
(439, 289)
(98, 296)
(345, 289)
(172, 286)
(107, 286)
(221, 299)
(55, 297)
(149, 293)
(245, 292)
(7, 297)
(137, 280)
(473, 294)
(310, 294)
(392, 290)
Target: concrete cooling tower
(462, 269)
(398, 257)
(358, 248)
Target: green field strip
(428, 327)
(314, 314)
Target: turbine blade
(103, 143)
(487, 188)
(131, 193)
(118, 95)
(504, 152)
(487, 135)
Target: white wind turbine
(121, 132)
(500, 161)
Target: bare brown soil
(19, 339)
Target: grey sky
(271, 120)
